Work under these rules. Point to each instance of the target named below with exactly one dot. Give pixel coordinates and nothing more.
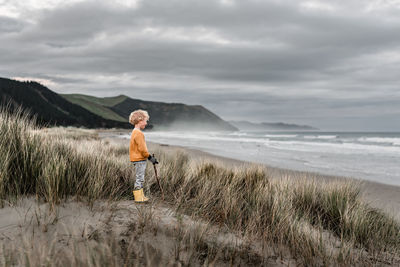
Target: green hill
(106, 112)
(163, 116)
(49, 107)
(166, 116)
(98, 106)
(104, 101)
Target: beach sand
(153, 231)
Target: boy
(138, 152)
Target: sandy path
(154, 232)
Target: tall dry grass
(53, 167)
(317, 223)
(320, 222)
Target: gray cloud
(329, 66)
(10, 25)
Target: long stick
(158, 180)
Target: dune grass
(314, 222)
(320, 222)
(50, 167)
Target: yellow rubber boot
(139, 196)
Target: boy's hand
(152, 159)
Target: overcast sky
(330, 64)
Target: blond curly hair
(138, 115)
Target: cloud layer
(332, 65)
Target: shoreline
(377, 195)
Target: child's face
(142, 124)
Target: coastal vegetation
(275, 217)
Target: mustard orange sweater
(137, 147)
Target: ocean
(361, 155)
